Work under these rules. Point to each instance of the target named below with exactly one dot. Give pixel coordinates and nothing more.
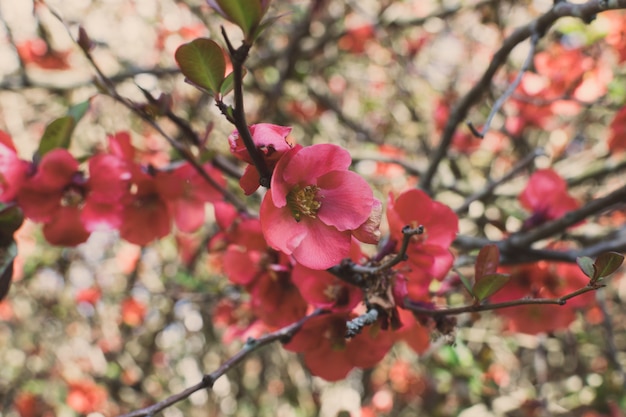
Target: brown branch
(492, 185)
(473, 308)
(238, 58)
(585, 12)
(525, 239)
(109, 88)
(534, 39)
(283, 335)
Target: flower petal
(280, 229)
(346, 198)
(314, 161)
(323, 246)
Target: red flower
(265, 273)
(546, 197)
(429, 253)
(86, 397)
(53, 195)
(145, 216)
(186, 193)
(356, 38)
(542, 280)
(315, 205)
(617, 131)
(271, 140)
(12, 169)
(323, 290)
(36, 52)
(329, 355)
(133, 311)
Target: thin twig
(185, 153)
(418, 308)
(283, 335)
(534, 39)
(525, 239)
(585, 12)
(492, 185)
(238, 58)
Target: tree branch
(585, 12)
(283, 335)
(418, 308)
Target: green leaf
(487, 261)
(244, 13)
(229, 82)
(7, 255)
(466, 283)
(57, 135)
(11, 218)
(202, 62)
(488, 285)
(607, 263)
(266, 23)
(586, 264)
(77, 111)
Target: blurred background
(109, 327)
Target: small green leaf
(607, 263)
(7, 255)
(77, 111)
(229, 82)
(266, 23)
(487, 261)
(466, 283)
(488, 285)
(11, 218)
(57, 135)
(244, 13)
(586, 265)
(202, 62)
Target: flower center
(303, 201)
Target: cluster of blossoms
(118, 193)
(315, 216)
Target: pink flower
(54, 195)
(315, 205)
(546, 196)
(145, 216)
(429, 253)
(271, 140)
(186, 194)
(324, 290)
(329, 355)
(12, 169)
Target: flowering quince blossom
(322, 289)
(271, 141)
(186, 194)
(428, 254)
(328, 354)
(12, 169)
(546, 197)
(55, 195)
(542, 280)
(315, 206)
(263, 272)
(617, 132)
